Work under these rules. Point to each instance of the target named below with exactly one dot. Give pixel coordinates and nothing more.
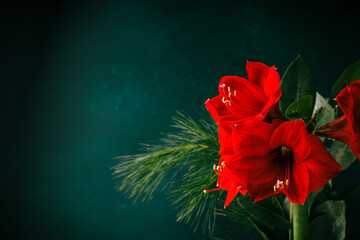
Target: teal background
(84, 82)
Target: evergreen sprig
(186, 157)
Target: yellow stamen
(235, 93)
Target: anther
(229, 88)
(214, 167)
(284, 150)
(287, 182)
(235, 93)
(229, 94)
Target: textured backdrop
(85, 82)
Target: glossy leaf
(297, 81)
(335, 211)
(301, 109)
(320, 228)
(351, 74)
(342, 154)
(327, 113)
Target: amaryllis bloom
(346, 128)
(228, 181)
(243, 99)
(281, 157)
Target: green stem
(300, 222)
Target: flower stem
(291, 220)
(300, 222)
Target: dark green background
(85, 82)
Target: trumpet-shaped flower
(243, 99)
(346, 128)
(280, 158)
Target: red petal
(226, 146)
(256, 169)
(226, 178)
(233, 191)
(267, 78)
(355, 93)
(337, 129)
(257, 72)
(320, 164)
(261, 191)
(272, 107)
(272, 82)
(298, 187)
(294, 136)
(216, 108)
(346, 103)
(254, 160)
(355, 147)
(249, 99)
(252, 138)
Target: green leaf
(320, 228)
(297, 81)
(327, 113)
(311, 198)
(351, 74)
(286, 206)
(335, 211)
(301, 109)
(342, 153)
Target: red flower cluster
(261, 153)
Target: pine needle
(188, 156)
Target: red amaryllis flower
(228, 181)
(346, 128)
(241, 100)
(280, 157)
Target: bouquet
(261, 159)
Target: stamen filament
(211, 190)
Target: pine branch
(188, 155)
